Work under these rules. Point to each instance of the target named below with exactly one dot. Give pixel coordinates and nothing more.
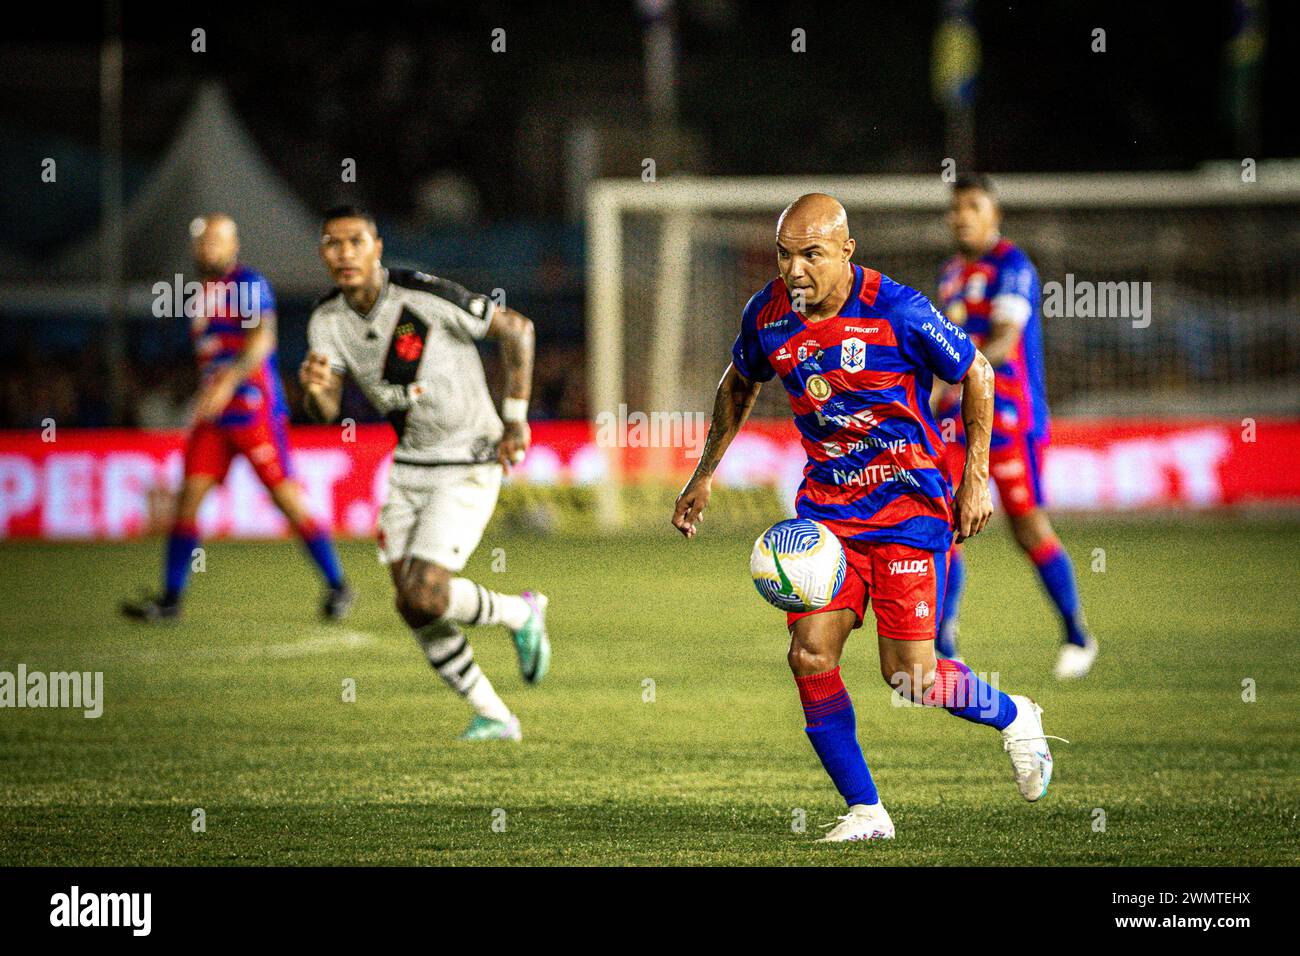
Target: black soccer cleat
(151, 610)
(337, 603)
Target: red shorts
(1016, 468)
(264, 442)
(906, 585)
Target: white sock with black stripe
(450, 654)
(473, 604)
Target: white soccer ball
(798, 565)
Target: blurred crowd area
(70, 388)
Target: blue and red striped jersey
(220, 330)
(859, 386)
(968, 292)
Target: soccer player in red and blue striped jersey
(858, 354)
(991, 289)
(240, 410)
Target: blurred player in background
(857, 354)
(240, 410)
(407, 339)
(991, 289)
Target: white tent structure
(211, 165)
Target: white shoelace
(1023, 760)
(840, 821)
(1007, 742)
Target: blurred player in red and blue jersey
(991, 289)
(240, 409)
(858, 355)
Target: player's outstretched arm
(973, 504)
(731, 406)
(518, 345)
(322, 388)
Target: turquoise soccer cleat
(485, 728)
(531, 642)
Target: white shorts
(437, 513)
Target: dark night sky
(312, 81)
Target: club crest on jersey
(407, 343)
(819, 388)
(809, 347)
(853, 355)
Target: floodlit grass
(237, 710)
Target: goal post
(671, 263)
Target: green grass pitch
(238, 710)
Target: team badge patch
(407, 342)
(810, 347)
(819, 388)
(853, 355)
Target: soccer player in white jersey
(407, 339)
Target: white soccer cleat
(862, 822)
(1031, 758)
(1074, 661)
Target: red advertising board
(104, 484)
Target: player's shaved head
(216, 243)
(217, 221)
(813, 249)
(814, 215)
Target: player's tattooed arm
(731, 407)
(973, 504)
(515, 333)
(518, 345)
(322, 388)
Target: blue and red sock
(960, 692)
(1057, 572)
(320, 547)
(182, 541)
(832, 729)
